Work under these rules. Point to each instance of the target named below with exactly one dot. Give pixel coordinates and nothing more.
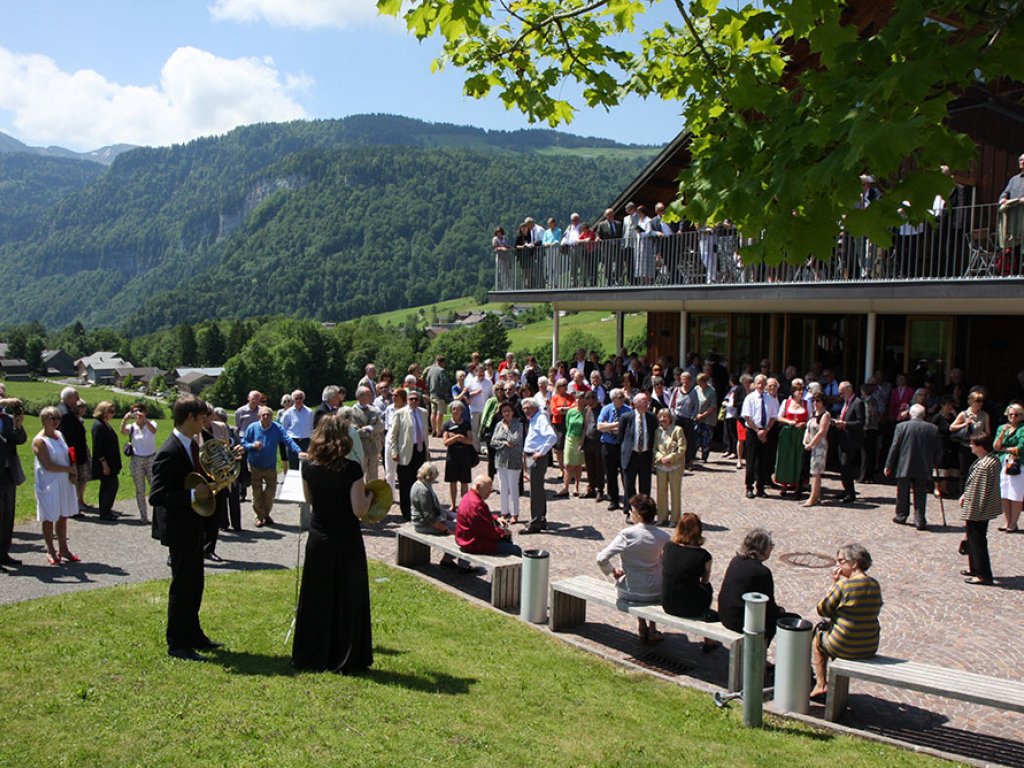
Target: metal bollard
(533, 593)
(793, 665)
(753, 658)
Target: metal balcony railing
(960, 244)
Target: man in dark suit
(636, 446)
(913, 456)
(12, 434)
(73, 431)
(849, 427)
(179, 528)
(331, 398)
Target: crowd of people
(621, 432)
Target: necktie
(195, 457)
(842, 416)
(417, 433)
(640, 445)
(764, 413)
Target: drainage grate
(660, 662)
(807, 560)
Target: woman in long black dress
(459, 455)
(332, 624)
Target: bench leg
(837, 696)
(736, 666)
(566, 611)
(411, 553)
(505, 586)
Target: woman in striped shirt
(851, 606)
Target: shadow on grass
(263, 665)
(66, 573)
(242, 565)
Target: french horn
(221, 468)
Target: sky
(88, 73)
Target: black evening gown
(332, 625)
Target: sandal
(70, 557)
(53, 559)
(979, 581)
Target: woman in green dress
(789, 460)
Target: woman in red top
(561, 403)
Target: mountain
(328, 220)
(103, 155)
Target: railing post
(554, 333)
(869, 346)
(683, 323)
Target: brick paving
(930, 615)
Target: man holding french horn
(180, 528)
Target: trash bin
(533, 593)
(793, 664)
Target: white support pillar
(620, 332)
(869, 346)
(683, 322)
(554, 334)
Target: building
(15, 370)
(57, 362)
(943, 296)
(139, 376)
(99, 367)
(193, 381)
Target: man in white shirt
(540, 439)
(298, 425)
(571, 236)
(759, 413)
(476, 383)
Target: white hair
(66, 393)
(917, 411)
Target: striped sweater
(981, 500)
(853, 604)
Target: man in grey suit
(914, 455)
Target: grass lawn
(600, 324)
(87, 683)
(39, 390)
(465, 304)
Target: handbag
(1012, 467)
(962, 436)
(962, 548)
(128, 449)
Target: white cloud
(304, 14)
(198, 94)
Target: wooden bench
(414, 550)
(569, 598)
(926, 678)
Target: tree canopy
(789, 101)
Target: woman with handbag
(974, 419)
(1008, 442)
(140, 450)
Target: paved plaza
(930, 614)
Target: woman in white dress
(56, 481)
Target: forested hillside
(324, 220)
(31, 185)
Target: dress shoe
(186, 654)
(107, 516)
(589, 495)
(921, 526)
(530, 530)
(9, 561)
(214, 557)
(900, 520)
(208, 645)
(613, 506)
(761, 494)
(750, 494)
(561, 495)
(602, 497)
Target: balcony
(961, 247)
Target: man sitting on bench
(477, 530)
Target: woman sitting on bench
(639, 548)
(850, 610)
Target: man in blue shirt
(608, 426)
(260, 444)
(540, 439)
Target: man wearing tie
(850, 429)
(759, 413)
(636, 445)
(407, 446)
(179, 528)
